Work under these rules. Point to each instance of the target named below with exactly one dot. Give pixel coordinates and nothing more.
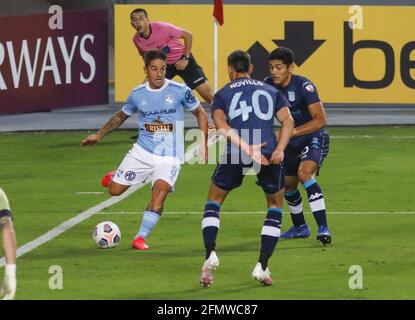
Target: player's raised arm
(202, 121)
(113, 123)
(287, 126)
(222, 127)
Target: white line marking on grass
(90, 192)
(371, 137)
(263, 212)
(53, 233)
(402, 137)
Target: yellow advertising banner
(352, 54)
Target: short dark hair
(286, 55)
(239, 60)
(153, 55)
(137, 11)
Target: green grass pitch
(369, 169)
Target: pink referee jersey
(162, 34)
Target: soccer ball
(106, 235)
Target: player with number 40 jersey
(243, 111)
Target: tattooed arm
(113, 123)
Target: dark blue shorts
(230, 176)
(316, 150)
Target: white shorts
(139, 165)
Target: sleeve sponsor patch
(189, 97)
(309, 87)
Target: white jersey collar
(166, 83)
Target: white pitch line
(89, 192)
(371, 137)
(53, 233)
(263, 212)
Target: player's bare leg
(307, 170)
(210, 227)
(161, 189)
(291, 183)
(205, 92)
(116, 189)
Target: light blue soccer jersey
(160, 116)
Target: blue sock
(149, 221)
(210, 226)
(270, 233)
(295, 204)
(316, 201)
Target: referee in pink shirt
(180, 61)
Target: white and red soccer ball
(106, 235)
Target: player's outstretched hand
(254, 152)
(277, 156)
(8, 289)
(90, 140)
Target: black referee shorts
(193, 75)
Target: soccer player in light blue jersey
(159, 150)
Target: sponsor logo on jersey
(291, 96)
(169, 99)
(189, 97)
(309, 87)
(156, 112)
(159, 127)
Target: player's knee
(304, 175)
(115, 191)
(206, 92)
(276, 200)
(8, 229)
(290, 186)
(210, 95)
